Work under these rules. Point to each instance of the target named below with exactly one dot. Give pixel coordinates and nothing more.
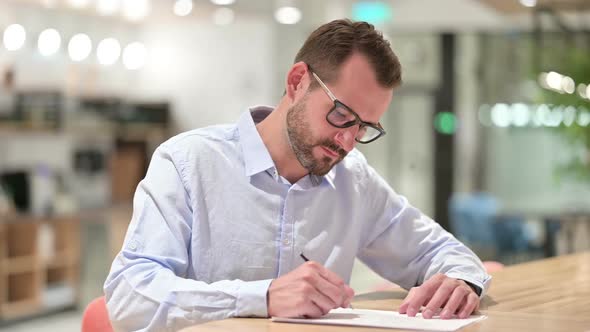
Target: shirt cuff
(252, 299)
(483, 285)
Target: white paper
(384, 319)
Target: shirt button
(286, 242)
(132, 245)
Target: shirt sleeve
(407, 247)
(149, 287)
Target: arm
(408, 248)
(148, 287)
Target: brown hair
(333, 43)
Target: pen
(307, 260)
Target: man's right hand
(310, 290)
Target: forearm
(148, 297)
(456, 260)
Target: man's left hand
(453, 296)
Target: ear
(297, 81)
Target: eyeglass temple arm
(323, 86)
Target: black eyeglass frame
(357, 121)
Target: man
(227, 216)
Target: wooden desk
(546, 295)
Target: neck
(273, 131)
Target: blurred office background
(489, 135)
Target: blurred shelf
(62, 259)
(19, 264)
(39, 265)
(19, 128)
(19, 309)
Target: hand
(310, 290)
(454, 296)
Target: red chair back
(96, 317)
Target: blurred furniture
(493, 266)
(566, 230)
(575, 230)
(475, 220)
(127, 167)
(542, 296)
(119, 218)
(39, 265)
(96, 317)
(141, 128)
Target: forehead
(357, 87)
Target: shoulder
(354, 165)
(356, 169)
(195, 142)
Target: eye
(362, 131)
(340, 114)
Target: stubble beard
(302, 142)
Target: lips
(329, 152)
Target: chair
(475, 219)
(492, 266)
(96, 317)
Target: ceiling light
(553, 80)
(568, 85)
(108, 51)
(79, 47)
(49, 42)
(107, 7)
(288, 15)
(223, 2)
(183, 7)
(223, 16)
(528, 3)
(14, 37)
(134, 56)
(136, 10)
(78, 3)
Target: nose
(345, 138)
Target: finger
(315, 275)
(350, 296)
(345, 291)
(338, 295)
(323, 302)
(461, 306)
(423, 294)
(312, 310)
(457, 298)
(413, 302)
(309, 294)
(406, 302)
(471, 306)
(332, 278)
(327, 274)
(442, 295)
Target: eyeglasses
(341, 116)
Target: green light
(445, 123)
(373, 12)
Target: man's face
(303, 142)
(317, 144)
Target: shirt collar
(256, 156)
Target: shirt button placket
(287, 242)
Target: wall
(210, 73)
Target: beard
(302, 142)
